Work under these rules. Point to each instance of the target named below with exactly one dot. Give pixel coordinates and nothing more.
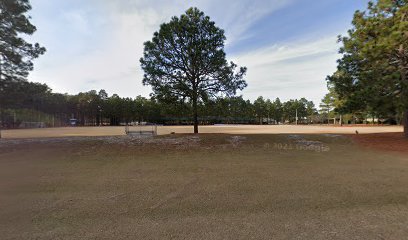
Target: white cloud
(290, 71)
(78, 21)
(238, 16)
(105, 54)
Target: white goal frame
(141, 130)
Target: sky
(288, 46)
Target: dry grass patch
(201, 187)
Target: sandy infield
(227, 129)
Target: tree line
(372, 74)
(185, 63)
(192, 82)
(24, 101)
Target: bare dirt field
(210, 186)
(227, 129)
(392, 142)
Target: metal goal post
(141, 130)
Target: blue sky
(289, 46)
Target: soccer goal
(141, 130)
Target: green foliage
(16, 54)
(261, 109)
(186, 61)
(35, 102)
(372, 73)
(305, 110)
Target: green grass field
(201, 187)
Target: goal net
(141, 130)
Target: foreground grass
(206, 187)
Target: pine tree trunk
(404, 80)
(405, 122)
(1, 110)
(195, 113)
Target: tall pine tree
(373, 72)
(16, 54)
(185, 60)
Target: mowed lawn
(201, 187)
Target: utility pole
(296, 116)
